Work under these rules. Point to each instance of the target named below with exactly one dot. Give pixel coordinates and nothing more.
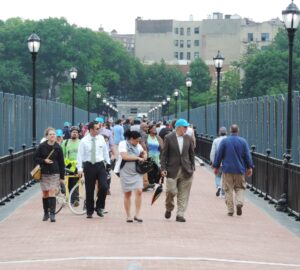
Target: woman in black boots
(50, 156)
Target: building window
(196, 55)
(176, 43)
(188, 31)
(176, 55)
(188, 44)
(181, 43)
(196, 43)
(181, 31)
(250, 37)
(181, 55)
(133, 110)
(176, 30)
(265, 37)
(188, 56)
(196, 30)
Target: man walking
(70, 149)
(213, 152)
(92, 153)
(178, 164)
(234, 154)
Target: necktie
(93, 151)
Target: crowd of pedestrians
(93, 150)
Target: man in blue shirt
(234, 154)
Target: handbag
(145, 166)
(36, 172)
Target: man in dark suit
(178, 165)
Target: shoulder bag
(36, 172)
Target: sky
(120, 14)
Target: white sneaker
(105, 211)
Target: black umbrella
(158, 190)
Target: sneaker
(230, 214)
(100, 213)
(167, 214)
(239, 210)
(105, 211)
(218, 192)
(180, 219)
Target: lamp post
(73, 76)
(176, 94)
(163, 106)
(98, 96)
(188, 83)
(88, 89)
(33, 43)
(107, 110)
(291, 17)
(168, 103)
(218, 61)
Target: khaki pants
(233, 182)
(181, 187)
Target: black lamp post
(73, 76)
(176, 94)
(163, 108)
(33, 43)
(107, 110)
(98, 96)
(188, 83)
(104, 102)
(291, 17)
(218, 61)
(168, 103)
(88, 89)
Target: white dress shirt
(85, 150)
(180, 143)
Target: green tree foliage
(231, 84)
(199, 72)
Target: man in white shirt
(91, 158)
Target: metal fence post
(282, 203)
(24, 169)
(11, 150)
(267, 174)
(253, 147)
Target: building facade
(181, 42)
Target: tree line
(105, 64)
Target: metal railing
(15, 173)
(277, 181)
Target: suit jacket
(172, 160)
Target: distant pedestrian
(178, 165)
(66, 130)
(234, 155)
(50, 156)
(213, 152)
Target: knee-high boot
(52, 204)
(46, 209)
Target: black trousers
(93, 172)
(71, 183)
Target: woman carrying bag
(155, 146)
(131, 151)
(49, 156)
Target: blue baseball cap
(181, 123)
(99, 120)
(59, 133)
(67, 124)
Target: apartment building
(126, 39)
(181, 42)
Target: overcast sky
(121, 14)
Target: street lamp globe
(98, 95)
(168, 98)
(104, 100)
(218, 60)
(88, 87)
(164, 102)
(176, 93)
(188, 82)
(291, 16)
(73, 73)
(33, 43)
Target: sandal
(138, 219)
(129, 220)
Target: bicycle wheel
(60, 201)
(78, 207)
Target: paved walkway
(208, 240)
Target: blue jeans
(218, 179)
